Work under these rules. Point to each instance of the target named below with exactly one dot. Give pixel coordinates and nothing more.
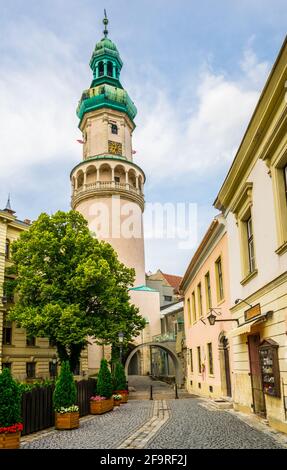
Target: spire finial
(8, 207)
(106, 22)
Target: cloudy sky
(194, 70)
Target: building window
(199, 299)
(7, 249)
(167, 298)
(31, 370)
(199, 359)
(52, 369)
(114, 129)
(7, 365)
(210, 358)
(76, 370)
(117, 179)
(250, 244)
(208, 291)
(191, 360)
(188, 312)
(30, 341)
(193, 307)
(7, 333)
(219, 279)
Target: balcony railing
(164, 337)
(108, 185)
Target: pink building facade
(206, 291)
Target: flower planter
(67, 420)
(117, 402)
(10, 440)
(101, 406)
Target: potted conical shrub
(10, 411)
(65, 399)
(120, 382)
(103, 401)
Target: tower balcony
(108, 188)
(105, 177)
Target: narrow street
(161, 423)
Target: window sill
(282, 249)
(249, 277)
(219, 302)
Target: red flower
(11, 429)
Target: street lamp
(121, 339)
(212, 319)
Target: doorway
(256, 379)
(226, 366)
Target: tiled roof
(174, 281)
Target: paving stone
(193, 427)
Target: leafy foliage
(70, 286)
(104, 383)
(65, 393)
(10, 400)
(27, 387)
(119, 377)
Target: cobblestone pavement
(162, 424)
(106, 431)
(193, 426)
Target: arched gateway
(175, 360)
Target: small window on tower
(110, 69)
(114, 129)
(101, 69)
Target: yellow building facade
(253, 199)
(27, 358)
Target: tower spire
(106, 22)
(8, 207)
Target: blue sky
(194, 70)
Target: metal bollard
(150, 396)
(176, 394)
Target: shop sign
(252, 312)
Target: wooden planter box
(117, 402)
(67, 420)
(99, 407)
(124, 394)
(10, 440)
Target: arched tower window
(114, 129)
(101, 69)
(110, 69)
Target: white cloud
(39, 88)
(172, 141)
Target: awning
(246, 328)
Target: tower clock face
(115, 148)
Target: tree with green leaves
(10, 400)
(104, 383)
(70, 285)
(65, 393)
(119, 377)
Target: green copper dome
(106, 89)
(105, 43)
